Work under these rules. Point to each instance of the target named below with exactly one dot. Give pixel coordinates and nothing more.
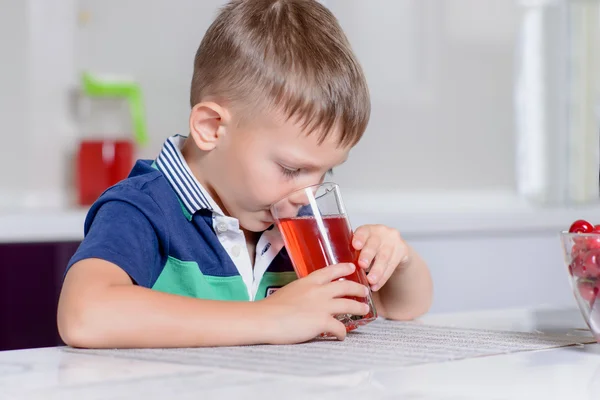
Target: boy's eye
(291, 173)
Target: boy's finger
(336, 328)
(369, 251)
(382, 260)
(360, 237)
(347, 306)
(332, 272)
(386, 275)
(346, 288)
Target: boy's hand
(382, 250)
(307, 307)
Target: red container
(100, 165)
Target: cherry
(591, 263)
(578, 250)
(580, 243)
(588, 291)
(597, 228)
(581, 226)
(576, 268)
(593, 241)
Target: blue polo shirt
(165, 231)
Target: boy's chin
(256, 225)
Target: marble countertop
(571, 372)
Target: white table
(561, 373)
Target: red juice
(100, 165)
(307, 250)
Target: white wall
(441, 75)
(490, 256)
(154, 42)
(490, 270)
(36, 71)
(13, 97)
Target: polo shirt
(161, 226)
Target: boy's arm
(100, 307)
(409, 291)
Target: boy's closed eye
(294, 172)
(290, 172)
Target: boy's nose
(291, 205)
(300, 198)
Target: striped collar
(192, 194)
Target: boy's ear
(207, 123)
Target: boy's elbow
(420, 310)
(408, 312)
(74, 328)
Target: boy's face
(259, 162)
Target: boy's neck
(196, 160)
(251, 242)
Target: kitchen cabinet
(30, 278)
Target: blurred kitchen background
(482, 146)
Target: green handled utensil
(104, 86)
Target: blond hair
(291, 55)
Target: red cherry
(581, 226)
(577, 269)
(593, 241)
(588, 291)
(580, 243)
(578, 250)
(591, 263)
(597, 228)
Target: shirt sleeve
(125, 226)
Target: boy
(183, 253)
